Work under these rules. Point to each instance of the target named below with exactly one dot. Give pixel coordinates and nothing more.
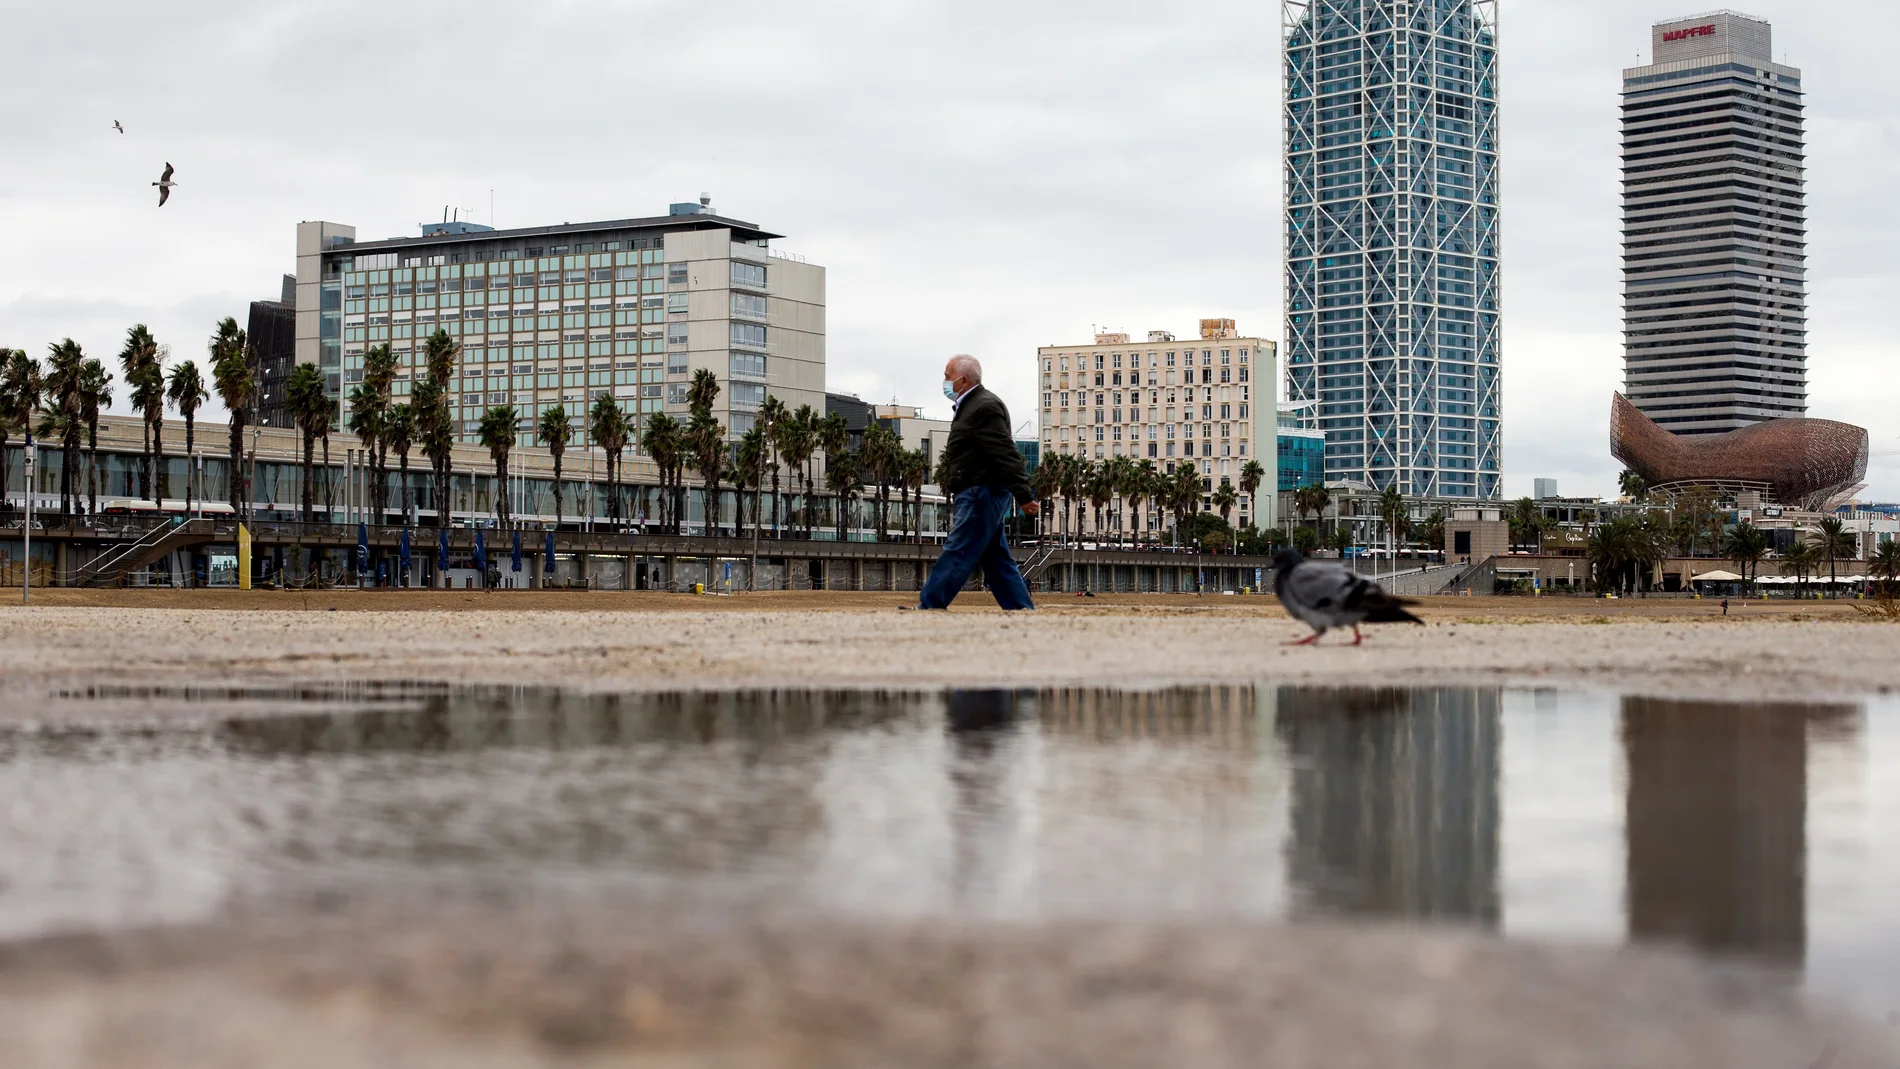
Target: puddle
(1756, 831)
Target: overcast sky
(977, 176)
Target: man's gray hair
(963, 365)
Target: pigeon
(116, 126)
(1325, 596)
(165, 185)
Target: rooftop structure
(1806, 463)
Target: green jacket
(982, 449)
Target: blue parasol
(481, 556)
(442, 551)
(516, 555)
(362, 549)
(548, 565)
(403, 553)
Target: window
(676, 393)
(748, 334)
(676, 303)
(748, 364)
(748, 394)
(652, 390)
(745, 274)
(675, 273)
(601, 274)
(655, 270)
(676, 363)
(676, 333)
(748, 304)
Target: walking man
(983, 469)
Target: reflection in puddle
(1753, 830)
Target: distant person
(1724, 606)
(983, 469)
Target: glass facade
(1392, 239)
(1302, 460)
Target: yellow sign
(244, 557)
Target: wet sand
(640, 989)
(656, 641)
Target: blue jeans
(976, 540)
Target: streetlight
(26, 529)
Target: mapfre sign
(1693, 31)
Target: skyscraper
(1714, 230)
(1392, 239)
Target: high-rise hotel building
(558, 315)
(1392, 239)
(1205, 402)
(1714, 229)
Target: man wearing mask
(984, 471)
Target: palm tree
(1184, 497)
(1252, 475)
(916, 474)
(1393, 510)
(1225, 498)
(1313, 498)
(1621, 548)
(435, 416)
(310, 409)
(841, 478)
(1431, 532)
(369, 405)
(1802, 557)
(95, 395)
(554, 431)
(706, 441)
(1633, 486)
(142, 365)
(771, 414)
(879, 459)
(1835, 543)
(1886, 563)
(751, 459)
(829, 433)
(798, 445)
(497, 435)
(399, 434)
(1526, 522)
(607, 424)
(62, 395)
(1746, 545)
(1046, 481)
(662, 443)
(186, 391)
(20, 388)
(1075, 477)
(232, 376)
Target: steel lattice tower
(1391, 111)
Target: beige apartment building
(1208, 402)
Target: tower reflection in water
(1716, 820)
(1394, 801)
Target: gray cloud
(976, 176)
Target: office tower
(1714, 230)
(562, 314)
(1392, 239)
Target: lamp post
(26, 529)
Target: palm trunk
(191, 431)
(145, 460)
(309, 472)
(557, 486)
(501, 492)
(236, 462)
(402, 459)
(329, 494)
(776, 533)
(159, 481)
(92, 469)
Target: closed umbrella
(442, 551)
(403, 556)
(481, 557)
(362, 549)
(548, 565)
(516, 556)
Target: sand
(1782, 649)
(561, 984)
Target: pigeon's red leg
(1357, 638)
(1307, 641)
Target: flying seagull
(116, 126)
(165, 185)
(1325, 596)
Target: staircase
(1037, 561)
(111, 568)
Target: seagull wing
(116, 126)
(167, 176)
(164, 194)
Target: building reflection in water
(1716, 818)
(1394, 801)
